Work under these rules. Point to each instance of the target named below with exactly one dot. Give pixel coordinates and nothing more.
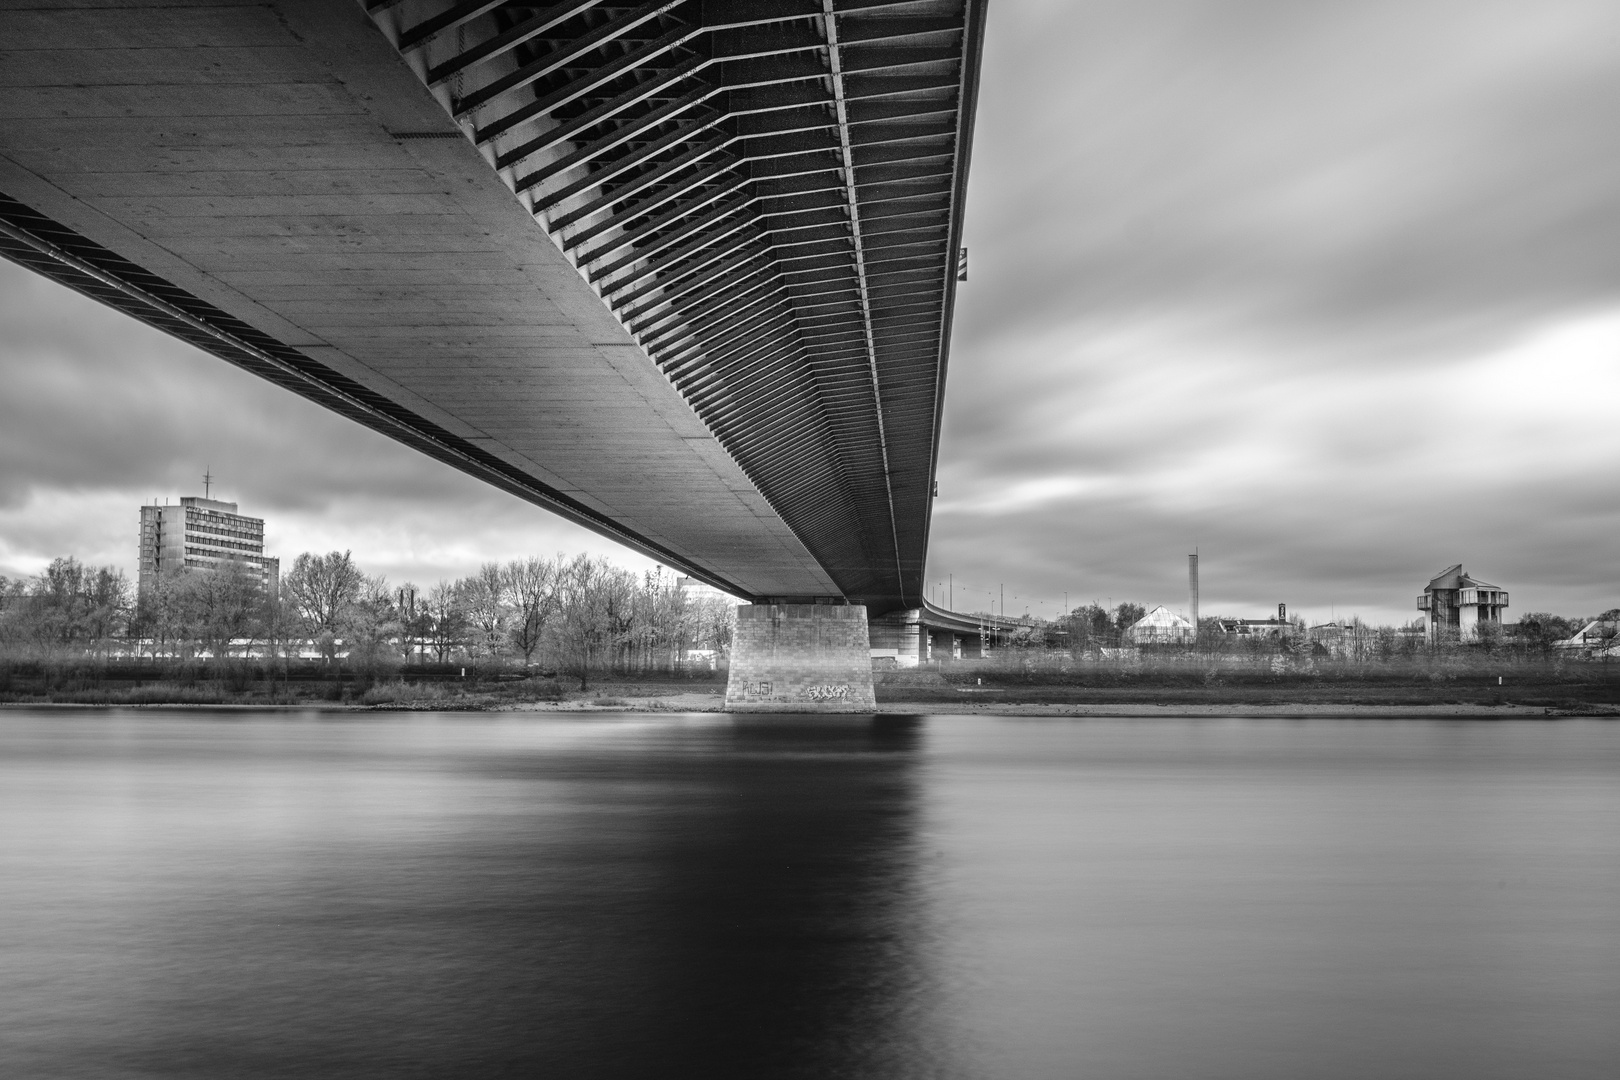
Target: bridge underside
(682, 272)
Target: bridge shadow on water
(748, 905)
(471, 897)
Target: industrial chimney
(1192, 588)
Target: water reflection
(1238, 899)
(465, 897)
(267, 896)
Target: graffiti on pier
(841, 692)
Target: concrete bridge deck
(682, 272)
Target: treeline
(1092, 629)
(579, 615)
(1095, 627)
(70, 607)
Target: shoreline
(1175, 710)
(704, 704)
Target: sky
(1327, 291)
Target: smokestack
(1192, 587)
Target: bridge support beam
(898, 640)
(801, 658)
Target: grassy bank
(1454, 678)
(1013, 678)
(252, 683)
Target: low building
(1278, 627)
(1599, 637)
(1455, 604)
(1161, 626)
(693, 589)
(1340, 639)
(202, 534)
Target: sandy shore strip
(1180, 710)
(710, 703)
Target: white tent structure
(1161, 626)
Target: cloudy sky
(1330, 291)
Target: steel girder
(768, 194)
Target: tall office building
(202, 534)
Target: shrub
(400, 692)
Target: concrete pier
(801, 658)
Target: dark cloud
(100, 413)
(1297, 163)
(94, 397)
(1331, 291)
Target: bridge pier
(801, 658)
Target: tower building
(1455, 604)
(1192, 589)
(202, 533)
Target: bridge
(682, 272)
(929, 632)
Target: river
(246, 895)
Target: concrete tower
(1192, 589)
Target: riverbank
(694, 703)
(1013, 685)
(714, 703)
(1577, 691)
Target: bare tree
(713, 620)
(446, 622)
(661, 627)
(371, 627)
(1126, 615)
(483, 600)
(321, 588)
(221, 605)
(414, 626)
(163, 614)
(69, 607)
(109, 606)
(531, 590)
(583, 625)
(617, 588)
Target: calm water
(252, 896)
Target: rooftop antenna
(208, 482)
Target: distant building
(202, 534)
(1161, 626)
(1339, 639)
(1256, 628)
(1598, 637)
(693, 589)
(1455, 604)
(1278, 627)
